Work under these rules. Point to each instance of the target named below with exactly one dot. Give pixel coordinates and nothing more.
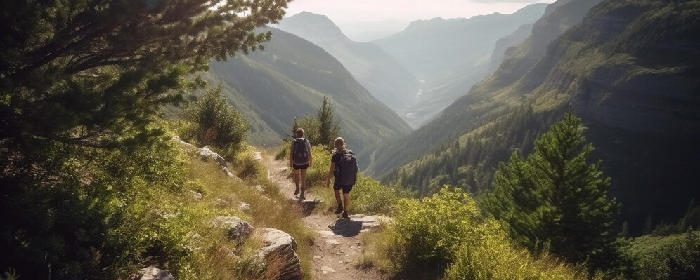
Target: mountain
(365, 31)
(629, 69)
(450, 56)
(519, 35)
(377, 71)
(289, 79)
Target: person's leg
(295, 172)
(346, 202)
(302, 178)
(338, 200)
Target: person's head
(339, 144)
(299, 133)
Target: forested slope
(629, 70)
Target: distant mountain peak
(320, 26)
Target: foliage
(446, 234)
(84, 160)
(283, 152)
(91, 217)
(212, 257)
(310, 125)
(469, 161)
(328, 127)
(555, 197)
(673, 258)
(85, 71)
(247, 167)
(217, 124)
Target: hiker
(344, 169)
(300, 159)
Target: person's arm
(291, 152)
(330, 173)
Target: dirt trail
(337, 246)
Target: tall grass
(223, 196)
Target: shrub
(446, 234)
(678, 259)
(217, 123)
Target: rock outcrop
(154, 273)
(279, 255)
(237, 229)
(205, 154)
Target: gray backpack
(301, 151)
(346, 169)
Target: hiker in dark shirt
(300, 159)
(344, 178)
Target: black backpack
(346, 169)
(301, 151)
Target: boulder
(237, 229)
(205, 153)
(154, 273)
(279, 255)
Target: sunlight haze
(366, 20)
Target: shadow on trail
(346, 227)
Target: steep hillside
(452, 123)
(519, 35)
(450, 56)
(376, 70)
(629, 69)
(289, 79)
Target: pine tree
(555, 196)
(329, 129)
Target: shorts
(300, 166)
(346, 189)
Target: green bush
(676, 257)
(370, 197)
(217, 124)
(88, 219)
(283, 153)
(446, 235)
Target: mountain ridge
(383, 76)
(289, 79)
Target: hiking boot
(302, 197)
(339, 209)
(345, 215)
(296, 192)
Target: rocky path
(337, 247)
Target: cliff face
(633, 67)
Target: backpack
(301, 151)
(346, 169)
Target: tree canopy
(84, 71)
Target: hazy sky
(343, 11)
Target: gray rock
(237, 229)
(245, 207)
(196, 195)
(154, 273)
(205, 153)
(279, 255)
(188, 145)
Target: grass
(211, 255)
